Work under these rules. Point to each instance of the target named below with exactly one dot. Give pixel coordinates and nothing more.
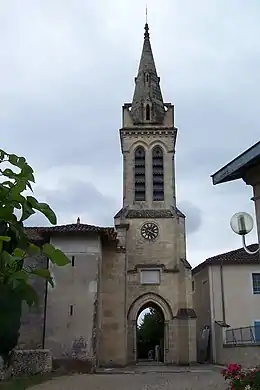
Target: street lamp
(242, 223)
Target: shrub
(239, 378)
(16, 179)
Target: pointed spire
(147, 104)
(78, 221)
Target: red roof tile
(237, 256)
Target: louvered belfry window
(158, 174)
(139, 174)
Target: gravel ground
(207, 379)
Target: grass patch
(25, 382)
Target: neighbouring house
(226, 292)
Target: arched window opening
(158, 174)
(147, 77)
(139, 174)
(147, 112)
(150, 333)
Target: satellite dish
(242, 223)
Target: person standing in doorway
(157, 353)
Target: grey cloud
(66, 68)
(77, 199)
(193, 216)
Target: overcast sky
(67, 67)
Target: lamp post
(242, 223)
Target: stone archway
(142, 302)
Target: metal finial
(146, 17)
(78, 221)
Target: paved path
(193, 379)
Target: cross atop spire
(147, 104)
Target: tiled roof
(237, 256)
(39, 232)
(148, 213)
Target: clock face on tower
(149, 231)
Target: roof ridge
(66, 225)
(230, 252)
(236, 256)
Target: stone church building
(116, 272)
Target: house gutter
(222, 294)
(212, 314)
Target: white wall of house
(242, 306)
(70, 304)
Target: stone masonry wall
(162, 252)
(28, 362)
(71, 304)
(112, 341)
(32, 320)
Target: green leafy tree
(151, 329)
(16, 178)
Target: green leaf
(2, 154)
(56, 256)
(27, 173)
(2, 240)
(7, 183)
(44, 208)
(33, 250)
(17, 189)
(17, 161)
(6, 213)
(28, 293)
(5, 238)
(29, 185)
(7, 258)
(13, 159)
(19, 253)
(19, 275)
(43, 273)
(9, 173)
(16, 205)
(27, 211)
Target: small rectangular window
(71, 310)
(256, 283)
(73, 261)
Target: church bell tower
(148, 141)
(149, 225)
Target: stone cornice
(149, 214)
(153, 266)
(186, 313)
(147, 132)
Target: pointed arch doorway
(150, 333)
(164, 313)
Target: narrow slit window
(73, 261)
(147, 77)
(139, 174)
(147, 112)
(71, 310)
(158, 174)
